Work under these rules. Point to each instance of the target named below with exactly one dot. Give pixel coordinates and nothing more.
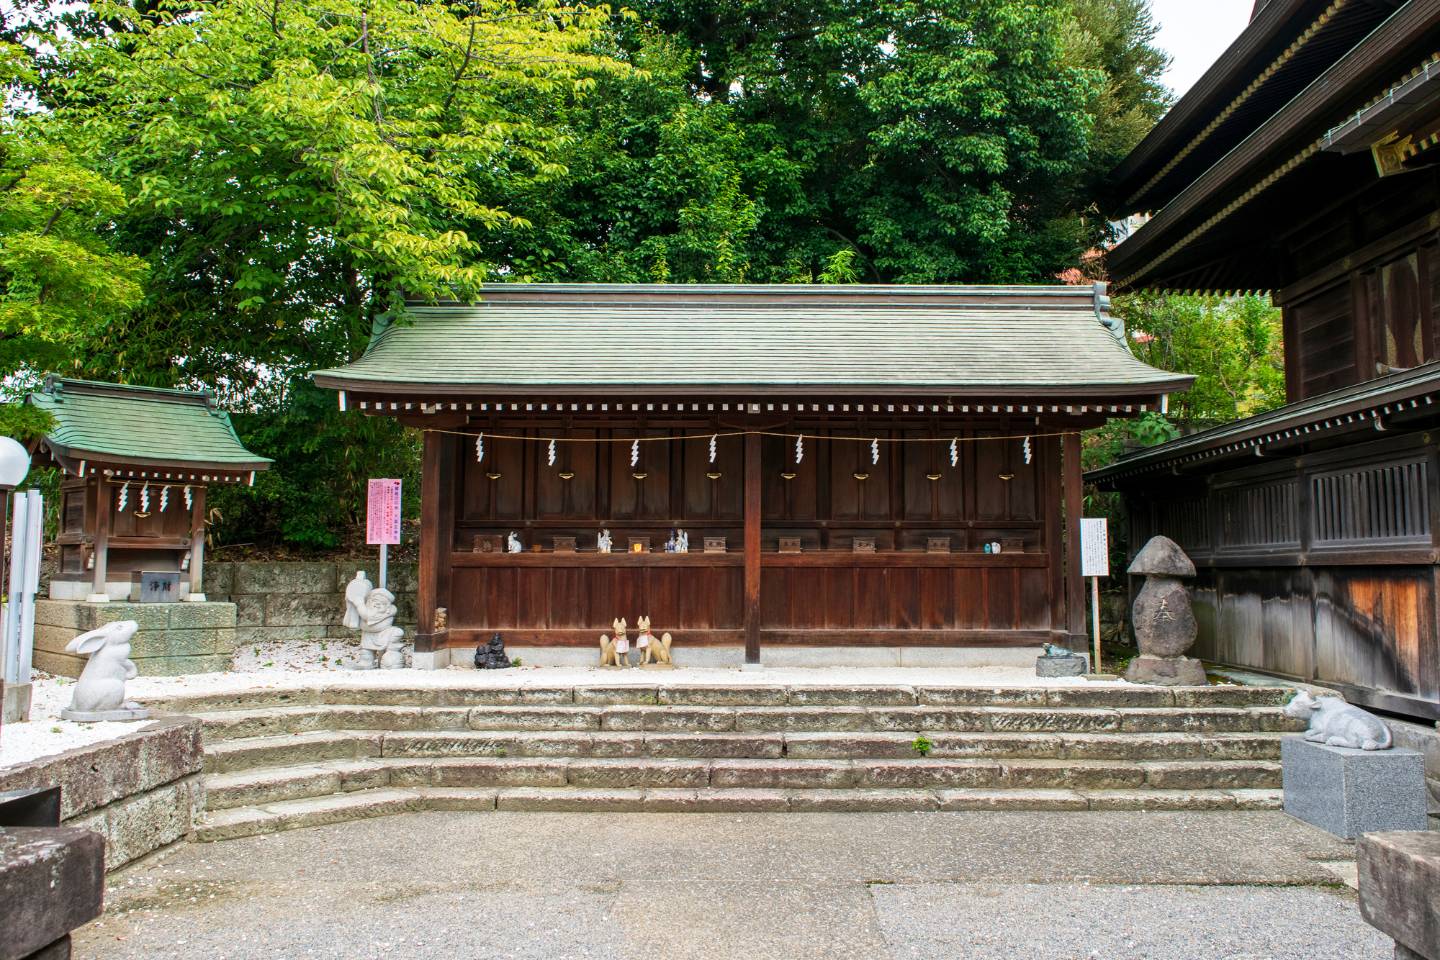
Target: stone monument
(491, 655)
(1399, 874)
(1164, 623)
(100, 691)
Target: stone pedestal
(1167, 671)
(1400, 890)
(15, 702)
(1076, 666)
(51, 882)
(1350, 792)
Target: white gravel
(46, 734)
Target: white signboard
(1094, 548)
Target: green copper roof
(146, 425)
(696, 339)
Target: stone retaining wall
(174, 638)
(299, 601)
(141, 792)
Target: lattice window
(1386, 502)
(1187, 522)
(1264, 515)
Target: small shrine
(137, 462)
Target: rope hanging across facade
(482, 435)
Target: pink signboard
(382, 515)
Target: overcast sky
(1195, 33)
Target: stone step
(337, 808)
(291, 750)
(225, 725)
(260, 787)
(728, 695)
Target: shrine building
(893, 468)
(1306, 164)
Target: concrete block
(250, 610)
(1400, 890)
(146, 822)
(1076, 666)
(60, 664)
(201, 616)
(218, 579)
(287, 578)
(1350, 792)
(57, 613)
(304, 609)
(51, 882)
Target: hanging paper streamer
(875, 451)
(714, 446)
(124, 497)
(799, 449)
(145, 498)
(552, 453)
(479, 447)
(635, 453)
(164, 497)
(955, 452)
(189, 497)
(1027, 450)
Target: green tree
(297, 167)
(958, 142)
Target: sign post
(1094, 563)
(382, 520)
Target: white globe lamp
(14, 463)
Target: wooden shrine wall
(826, 593)
(1320, 568)
(1366, 297)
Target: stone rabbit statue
(100, 691)
(1336, 723)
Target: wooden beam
(752, 547)
(437, 508)
(197, 543)
(1052, 499)
(103, 495)
(1074, 509)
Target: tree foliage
(241, 187)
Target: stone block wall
(140, 792)
(174, 638)
(298, 600)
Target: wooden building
(1304, 164)
(888, 467)
(136, 463)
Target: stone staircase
(281, 759)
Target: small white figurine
(1336, 723)
(512, 543)
(682, 544)
(603, 542)
(100, 691)
(378, 633)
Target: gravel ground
(1033, 886)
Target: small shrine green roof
(704, 339)
(115, 423)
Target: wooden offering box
(789, 544)
(715, 545)
(564, 544)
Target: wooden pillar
(197, 543)
(752, 548)
(437, 511)
(103, 498)
(1054, 500)
(1074, 509)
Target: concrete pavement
(1033, 886)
